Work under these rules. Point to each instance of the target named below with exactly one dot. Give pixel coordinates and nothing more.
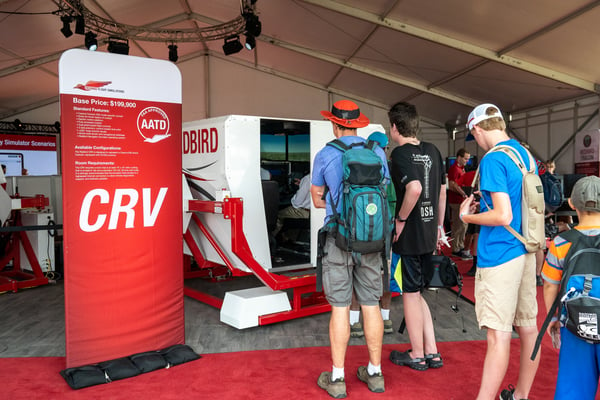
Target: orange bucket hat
(346, 113)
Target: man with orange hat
(340, 273)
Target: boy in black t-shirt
(418, 176)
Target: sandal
(434, 363)
(404, 358)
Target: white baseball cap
(480, 113)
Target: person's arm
(550, 293)
(500, 213)
(455, 187)
(442, 212)
(453, 176)
(411, 196)
(552, 271)
(442, 206)
(316, 192)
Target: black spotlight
(80, 25)
(253, 24)
(18, 124)
(173, 53)
(66, 28)
(90, 41)
(232, 45)
(118, 45)
(250, 41)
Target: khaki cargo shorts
(505, 295)
(340, 276)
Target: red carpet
(274, 374)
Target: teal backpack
(364, 224)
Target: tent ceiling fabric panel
(444, 56)
(486, 23)
(465, 46)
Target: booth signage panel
(122, 191)
(28, 154)
(587, 152)
(587, 146)
(588, 168)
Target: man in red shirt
(456, 195)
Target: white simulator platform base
(241, 308)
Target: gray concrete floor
(32, 323)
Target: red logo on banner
(92, 85)
(153, 124)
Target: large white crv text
(125, 201)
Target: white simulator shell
(222, 155)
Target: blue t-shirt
(498, 173)
(327, 171)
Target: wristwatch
(400, 219)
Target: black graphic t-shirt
(422, 162)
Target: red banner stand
(122, 211)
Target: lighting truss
(107, 27)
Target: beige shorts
(505, 295)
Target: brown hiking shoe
(374, 382)
(387, 326)
(356, 330)
(336, 389)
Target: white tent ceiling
(445, 56)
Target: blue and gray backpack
(363, 225)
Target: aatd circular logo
(153, 124)
(587, 140)
(371, 209)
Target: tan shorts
(505, 295)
